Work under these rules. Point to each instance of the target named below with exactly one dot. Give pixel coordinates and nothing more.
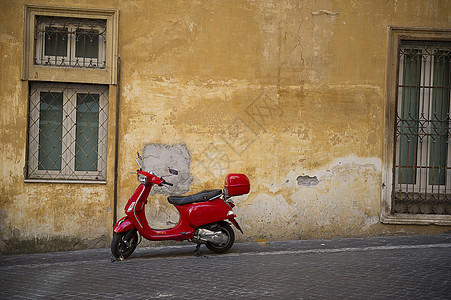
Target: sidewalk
(398, 267)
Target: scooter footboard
(123, 225)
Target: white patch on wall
(158, 158)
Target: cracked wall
(283, 91)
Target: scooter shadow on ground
(173, 252)
(187, 250)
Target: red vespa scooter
(204, 217)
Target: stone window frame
(69, 128)
(395, 35)
(33, 72)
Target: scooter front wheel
(121, 249)
(221, 248)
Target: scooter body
(203, 217)
(191, 216)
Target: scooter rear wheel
(221, 248)
(119, 249)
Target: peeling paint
(324, 12)
(307, 180)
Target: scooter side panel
(208, 212)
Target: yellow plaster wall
(273, 89)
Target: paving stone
(404, 267)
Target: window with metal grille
(68, 131)
(422, 162)
(70, 42)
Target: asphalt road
(397, 267)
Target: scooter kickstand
(197, 251)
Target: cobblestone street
(399, 267)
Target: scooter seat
(203, 196)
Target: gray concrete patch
(307, 180)
(158, 158)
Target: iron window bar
(70, 42)
(422, 162)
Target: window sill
(406, 219)
(65, 181)
(69, 74)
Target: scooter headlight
(142, 179)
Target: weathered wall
(42, 216)
(290, 93)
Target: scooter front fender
(123, 225)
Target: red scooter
(204, 217)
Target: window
(424, 90)
(422, 183)
(70, 42)
(69, 61)
(419, 132)
(70, 45)
(67, 131)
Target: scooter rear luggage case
(236, 184)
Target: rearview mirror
(173, 171)
(139, 159)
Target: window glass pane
(439, 119)
(408, 122)
(50, 130)
(87, 43)
(56, 41)
(87, 132)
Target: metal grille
(68, 131)
(422, 181)
(70, 42)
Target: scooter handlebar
(167, 183)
